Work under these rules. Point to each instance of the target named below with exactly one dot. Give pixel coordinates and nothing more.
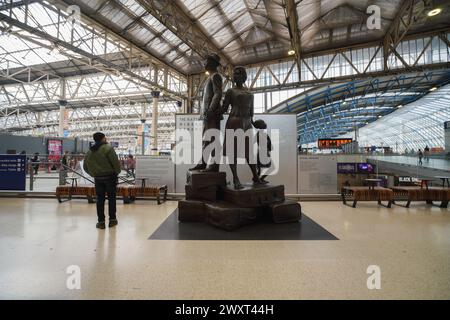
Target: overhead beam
(95, 61)
(12, 5)
(294, 31)
(92, 19)
(177, 21)
(398, 29)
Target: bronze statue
(211, 112)
(240, 117)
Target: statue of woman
(240, 117)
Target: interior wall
(38, 144)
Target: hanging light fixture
(434, 12)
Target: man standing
(427, 153)
(101, 162)
(211, 112)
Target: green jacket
(101, 160)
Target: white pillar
(143, 120)
(62, 107)
(155, 95)
(62, 114)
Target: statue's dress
(241, 114)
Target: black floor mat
(307, 229)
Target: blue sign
(13, 172)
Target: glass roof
(413, 126)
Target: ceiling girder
(177, 21)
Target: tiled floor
(40, 238)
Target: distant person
(63, 169)
(35, 163)
(131, 165)
(65, 159)
(426, 152)
(420, 157)
(101, 162)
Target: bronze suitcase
(249, 197)
(286, 211)
(226, 216)
(199, 179)
(208, 194)
(191, 211)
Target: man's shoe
(112, 223)
(100, 225)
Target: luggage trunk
(251, 197)
(283, 212)
(226, 216)
(191, 211)
(199, 179)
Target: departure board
(332, 143)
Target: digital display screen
(332, 143)
(355, 168)
(365, 168)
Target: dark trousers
(103, 186)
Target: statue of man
(211, 112)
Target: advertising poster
(54, 149)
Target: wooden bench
(79, 190)
(152, 191)
(416, 193)
(127, 192)
(360, 193)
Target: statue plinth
(210, 200)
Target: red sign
(332, 143)
(54, 149)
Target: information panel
(157, 170)
(12, 172)
(286, 166)
(317, 174)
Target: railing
(63, 171)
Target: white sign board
(287, 170)
(317, 174)
(157, 170)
